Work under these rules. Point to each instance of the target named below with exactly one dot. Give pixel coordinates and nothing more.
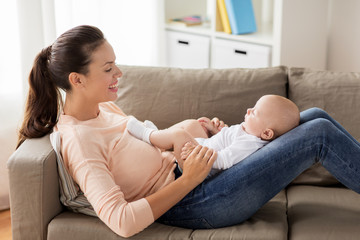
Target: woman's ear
(75, 80)
(268, 134)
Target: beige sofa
(314, 206)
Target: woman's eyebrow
(111, 62)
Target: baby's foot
(150, 124)
(139, 130)
(187, 149)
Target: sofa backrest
(338, 93)
(169, 95)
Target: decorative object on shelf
(224, 16)
(187, 21)
(241, 16)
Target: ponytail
(71, 52)
(43, 101)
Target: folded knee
(319, 113)
(320, 125)
(195, 129)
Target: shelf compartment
(187, 50)
(233, 54)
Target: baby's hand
(187, 149)
(206, 125)
(213, 126)
(218, 125)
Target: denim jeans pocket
(199, 223)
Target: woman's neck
(80, 108)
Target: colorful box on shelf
(187, 21)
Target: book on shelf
(186, 21)
(224, 16)
(241, 16)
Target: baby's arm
(234, 153)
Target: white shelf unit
(294, 31)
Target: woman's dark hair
(71, 52)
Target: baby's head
(271, 117)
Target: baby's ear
(268, 134)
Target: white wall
(344, 36)
(10, 92)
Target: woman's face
(101, 81)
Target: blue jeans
(235, 194)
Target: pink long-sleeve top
(115, 170)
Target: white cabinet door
(187, 50)
(234, 54)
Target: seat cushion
(270, 222)
(69, 225)
(318, 213)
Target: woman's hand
(198, 164)
(195, 169)
(213, 126)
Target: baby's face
(260, 117)
(255, 118)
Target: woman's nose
(118, 73)
(248, 111)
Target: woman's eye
(108, 70)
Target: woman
(131, 184)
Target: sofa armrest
(34, 189)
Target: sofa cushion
(316, 175)
(338, 93)
(323, 213)
(270, 222)
(169, 95)
(70, 194)
(87, 227)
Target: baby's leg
(172, 138)
(193, 127)
(187, 149)
(168, 139)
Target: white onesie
(232, 144)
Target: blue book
(241, 16)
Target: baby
(271, 117)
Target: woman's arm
(128, 218)
(196, 167)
